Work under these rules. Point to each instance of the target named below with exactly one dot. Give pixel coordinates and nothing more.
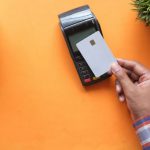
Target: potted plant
(143, 9)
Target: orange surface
(43, 105)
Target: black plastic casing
(76, 20)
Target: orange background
(43, 105)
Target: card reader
(76, 25)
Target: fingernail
(115, 67)
(118, 89)
(121, 98)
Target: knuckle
(121, 74)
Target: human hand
(133, 85)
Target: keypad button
(83, 68)
(80, 64)
(85, 72)
(86, 76)
(78, 58)
(87, 80)
(96, 78)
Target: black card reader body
(76, 25)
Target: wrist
(142, 126)
(140, 114)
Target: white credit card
(96, 53)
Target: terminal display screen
(80, 35)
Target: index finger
(137, 68)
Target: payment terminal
(76, 25)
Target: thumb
(123, 78)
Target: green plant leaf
(143, 9)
